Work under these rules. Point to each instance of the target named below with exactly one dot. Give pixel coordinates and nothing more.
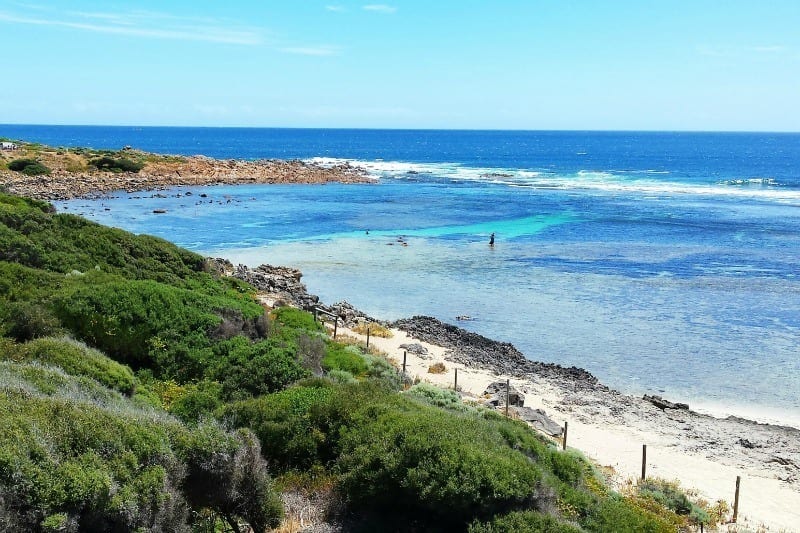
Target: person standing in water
(491, 240)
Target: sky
(514, 64)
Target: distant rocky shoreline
(164, 172)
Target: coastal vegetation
(141, 390)
(29, 167)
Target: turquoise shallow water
(662, 263)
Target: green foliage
(72, 461)
(427, 462)
(381, 370)
(198, 400)
(288, 424)
(77, 359)
(29, 167)
(141, 323)
(27, 320)
(620, 515)
(120, 164)
(291, 317)
(437, 396)
(344, 357)
(666, 493)
(248, 369)
(523, 522)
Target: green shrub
(248, 369)
(291, 317)
(286, 424)
(112, 164)
(72, 462)
(28, 320)
(29, 167)
(437, 396)
(199, 400)
(380, 369)
(523, 522)
(344, 357)
(418, 460)
(77, 359)
(618, 515)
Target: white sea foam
(647, 182)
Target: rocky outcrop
(167, 172)
(661, 403)
(477, 351)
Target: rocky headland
(72, 173)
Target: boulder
(539, 420)
(497, 395)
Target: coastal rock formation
(539, 420)
(661, 403)
(473, 350)
(162, 172)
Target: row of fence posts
(566, 424)
(644, 446)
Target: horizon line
(372, 128)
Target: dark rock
(661, 403)
(477, 351)
(539, 420)
(497, 393)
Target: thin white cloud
(380, 8)
(146, 25)
(337, 9)
(323, 50)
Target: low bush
(344, 357)
(522, 522)
(65, 462)
(437, 368)
(246, 369)
(112, 164)
(29, 167)
(375, 330)
(437, 396)
(287, 425)
(77, 359)
(403, 457)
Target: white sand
(765, 501)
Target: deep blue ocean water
(663, 263)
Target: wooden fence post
(644, 460)
(404, 362)
(367, 339)
(455, 381)
(736, 500)
(335, 325)
(564, 442)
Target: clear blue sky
(526, 64)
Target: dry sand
(766, 502)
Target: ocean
(662, 262)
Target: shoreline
(704, 453)
(71, 177)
